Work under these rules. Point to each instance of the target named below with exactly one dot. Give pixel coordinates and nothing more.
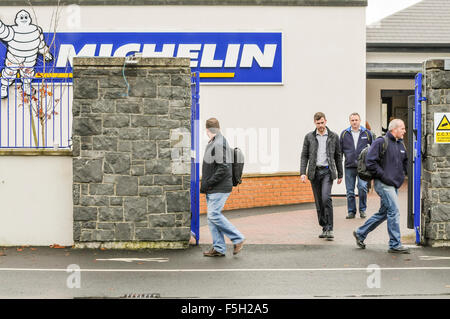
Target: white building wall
(323, 70)
(36, 200)
(323, 66)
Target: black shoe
(350, 216)
(362, 214)
(330, 235)
(359, 242)
(323, 235)
(399, 250)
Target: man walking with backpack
(387, 161)
(321, 153)
(217, 183)
(353, 140)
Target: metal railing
(36, 112)
(195, 151)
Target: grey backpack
(362, 170)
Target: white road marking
(224, 270)
(433, 258)
(129, 260)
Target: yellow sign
(442, 128)
(443, 137)
(444, 125)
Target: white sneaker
(4, 91)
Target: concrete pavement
(298, 224)
(260, 271)
(283, 258)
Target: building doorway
(394, 104)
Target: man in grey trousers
(322, 155)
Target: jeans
(351, 175)
(219, 224)
(321, 186)
(388, 210)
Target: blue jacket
(392, 169)
(348, 146)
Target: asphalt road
(259, 271)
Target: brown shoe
(238, 247)
(213, 253)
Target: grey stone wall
(436, 165)
(131, 153)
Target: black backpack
(362, 170)
(237, 166)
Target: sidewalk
(298, 224)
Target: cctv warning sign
(442, 128)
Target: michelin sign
(220, 57)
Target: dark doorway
(396, 104)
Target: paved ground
(298, 224)
(260, 271)
(283, 258)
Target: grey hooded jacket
(309, 155)
(217, 167)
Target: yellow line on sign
(54, 75)
(217, 75)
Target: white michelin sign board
(442, 128)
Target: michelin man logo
(24, 42)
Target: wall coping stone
(119, 62)
(434, 64)
(302, 3)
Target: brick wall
(266, 191)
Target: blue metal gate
(195, 156)
(417, 173)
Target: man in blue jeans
(389, 171)
(217, 185)
(353, 140)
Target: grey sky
(378, 9)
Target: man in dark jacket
(321, 153)
(353, 140)
(389, 171)
(217, 185)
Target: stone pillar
(131, 153)
(436, 165)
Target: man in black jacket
(217, 185)
(389, 168)
(321, 153)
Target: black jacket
(348, 146)
(392, 169)
(216, 167)
(309, 155)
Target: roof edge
(407, 47)
(306, 3)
